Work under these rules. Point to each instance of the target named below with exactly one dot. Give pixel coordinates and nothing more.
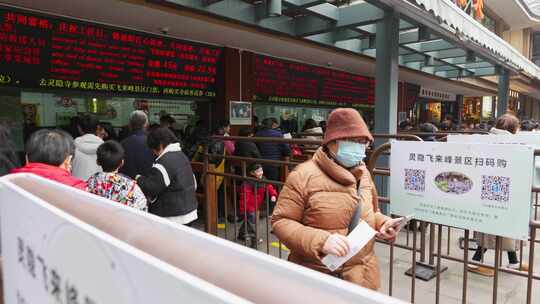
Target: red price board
(38, 51)
(284, 81)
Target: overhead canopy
(531, 8)
(469, 28)
(517, 14)
(457, 47)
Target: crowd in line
(448, 124)
(150, 170)
(147, 167)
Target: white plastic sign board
(481, 187)
(521, 138)
(52, 257)
(247, 273)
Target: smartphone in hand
(404, 221)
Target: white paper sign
(481, 187)
(52, 257)
(521, 138)
(358, 238)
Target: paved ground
(511, 288)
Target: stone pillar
(387, 73)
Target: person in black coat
(138, 158)
(428, 127)
(171, 185)
(246, 148)
(272, 151)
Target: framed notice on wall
(480, 187)
(240, 113)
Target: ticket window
(291, 118)
(52, 110)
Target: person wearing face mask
(320, 197)
(49, 154)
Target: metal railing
(429, 248)
(530, 275)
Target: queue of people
(158, 176)
(449, 124)
(150, 171)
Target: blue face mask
(350, 154)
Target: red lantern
(479, 8)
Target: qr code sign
(495, 188)
(415, 180)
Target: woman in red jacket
(252, 195)
(49, 154)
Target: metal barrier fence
(227, 198)
(438, 254)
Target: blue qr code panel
(415, 180)
(495, 188)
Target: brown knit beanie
(345, 123)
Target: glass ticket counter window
(27, 111)
(293, 118)
(290, 118)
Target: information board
(481, 187)
(38, 51)
(283, 81)
(51, 257)
(522, 138)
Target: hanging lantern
(479, 9)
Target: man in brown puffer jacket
(320, 196)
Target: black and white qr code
(495, 188)
(415, 180)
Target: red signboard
(291, 82)
(38, 51)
